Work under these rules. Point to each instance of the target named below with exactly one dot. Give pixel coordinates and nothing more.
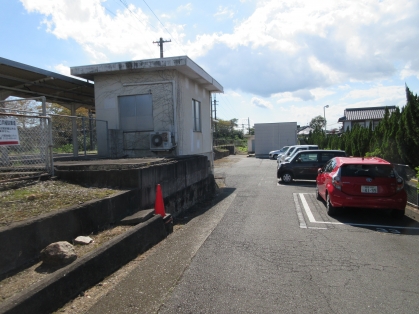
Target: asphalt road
(265, 247)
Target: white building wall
(191, 142)
(172, 95)
(273, 136)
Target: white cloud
(62, 69)
(378, 93)
(313, 44)
(186, 8)
(129, 34)
(409, 71)
(283, 46)
(261, 103)
(224, 12)
(303, 95)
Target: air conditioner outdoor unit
(161, 140)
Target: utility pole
(214, 104)
(215, 107)
(248, 123)
(160, 43)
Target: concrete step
(138, 217)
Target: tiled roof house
(363, 116)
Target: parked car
(361, 182)
(274, 154)
(293, 150)
(304, 164)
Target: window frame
(196, 107)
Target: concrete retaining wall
(66, 283)
(183, 184)
(20, 243)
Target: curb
(56, 290)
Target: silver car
(275, 153)
(294, 149)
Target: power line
(164, 26)
(115, 15)
(135, 15)
(230, 108)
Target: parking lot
(312, 214)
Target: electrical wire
(180, 46)
(230, 107)
(115, 15)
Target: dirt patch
(226, 161)
(14, 284)
(30, 199)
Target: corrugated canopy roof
(372, 113)
(21, 80)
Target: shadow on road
(201, 207)
(376, 219)
(299, 183)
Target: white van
(293, 149)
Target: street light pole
(324, 115)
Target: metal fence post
(84, 136)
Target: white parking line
(313, 220)
(299, 213)
(307, 208)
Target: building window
(375, 124)
(136, 113)
(196, 115)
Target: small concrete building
(157, 107)
(273, 136)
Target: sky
(277, 60)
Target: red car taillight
(336, 182)
(400, 183)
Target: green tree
(409, 130)
(317, 123)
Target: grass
(39, 198)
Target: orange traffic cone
(159, 204)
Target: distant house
(156, 107)
(363, 116)
(305, 130)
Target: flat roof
(25, 81)
(183, 64)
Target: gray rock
(58, 253)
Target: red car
(361, 182)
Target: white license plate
(369, 189)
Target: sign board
(9, 134)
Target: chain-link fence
(44, 136)
(77, 135)
(25, 146)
